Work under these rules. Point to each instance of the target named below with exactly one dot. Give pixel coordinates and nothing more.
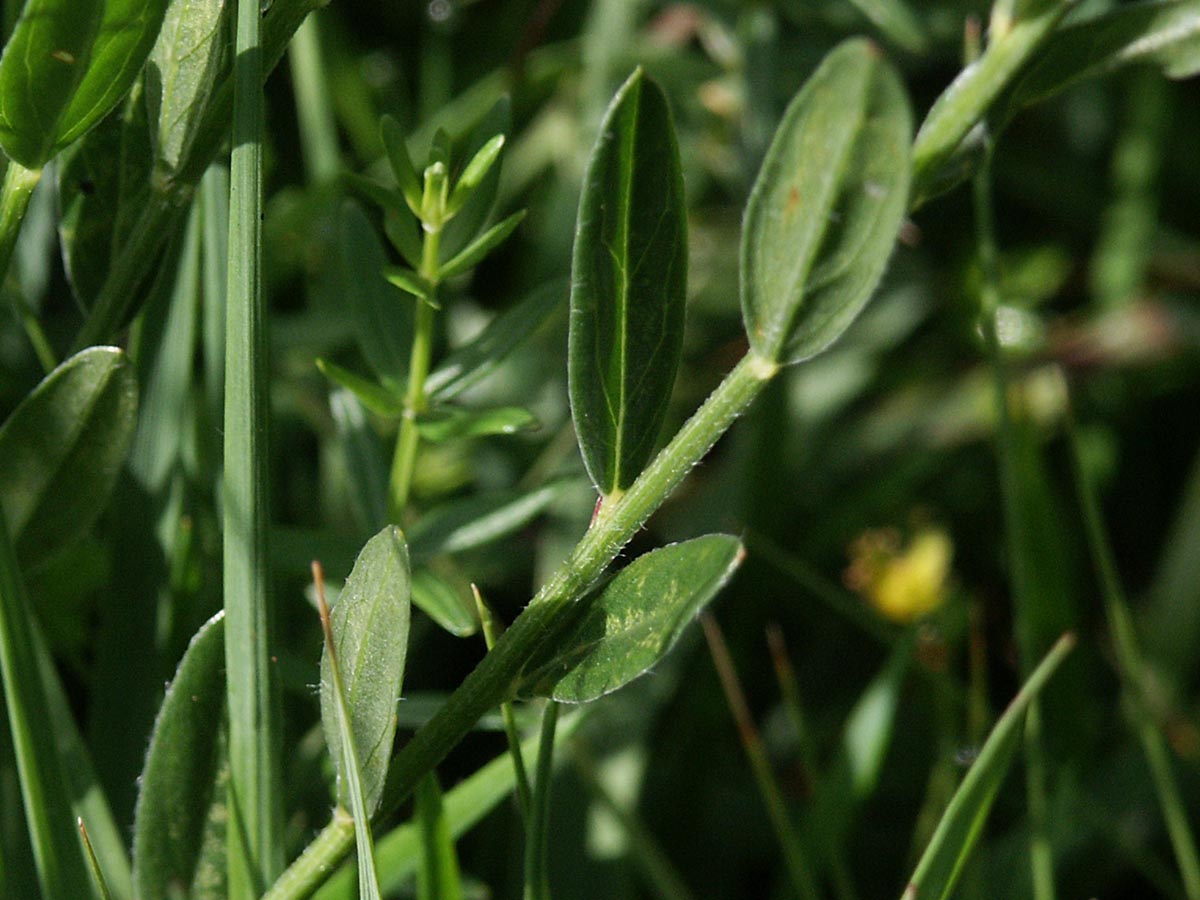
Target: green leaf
(62, 450)
(58, 857)
(443, 602)
(438, 876)
(463, 524)
(181, 768)
(370, 632)
(398, 853)
(349, 771)
(481, 163)
(382, 322)
(375, 397)
(827, 205)
(633, 622)
(960, 825)
(448, 423)
(472, 215)
(628, 286)
(897, 21)
(181, 77)
(409, 281)
(363, 454)
(401, 228)
(392, 136)
(472, 363)
(1165, 35)
(41, 69)
(128, 31)
(481, 246)
(384, 197)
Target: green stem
(492, 680)
(1133, 676)
(491, 633)
(405, 459)
(255, 851)
(1041, 856)
(962, 105)
(17, 188)
(537, 881)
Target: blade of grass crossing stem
(254, 839)
(800, 870)
(348, 770)
(438, 876)
(960, 826)
(537, 825)
(629, 286)
(1134, 676)
(58, 859)
(398, 852)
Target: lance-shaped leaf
(629, 284)
(448, 423)
(633, 622)
(128, 31)
(827, 205)
(43, 64)
(960, 825)
(1166, 35)
(370, 631)
(181, 769)
(62, 450)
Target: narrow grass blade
(474, 521)
(333, 693)
(956, 834)
(177, 783)
(438, 876)
(634, 622)
(314, 103)
(507, 332)
(58, 857)
(537, 826)
(370, 641)
(823, 217)
(43, 64)
(398, 853)
(63, 448)
(255, 799)
(628, 286)
(98, 880)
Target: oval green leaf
(370, 631)
(827, 206)
(43, 64)
(128, 31)
(62, 450)
(634, 621)
(181, 768)
(629, 285)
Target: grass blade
(255, 851)
(537, 825)
(58, 858)
(628, 286)
(959, 828)
(438, 876)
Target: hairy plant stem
(493, 680)
(405, 459)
